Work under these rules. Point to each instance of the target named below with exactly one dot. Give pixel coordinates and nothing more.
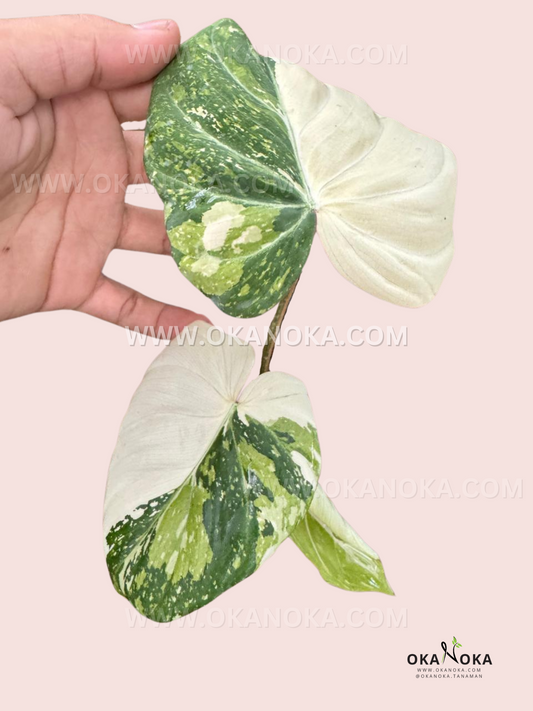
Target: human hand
(66, 84)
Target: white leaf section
(183, 401)
(274, 395)
(384, 194)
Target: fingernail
(154, 25)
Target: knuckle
(128, 308)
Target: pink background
(454, 404)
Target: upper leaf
(205, 481)
(245, 152)
(341, 556)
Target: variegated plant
(250, 156)
(207, 479)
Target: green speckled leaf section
(221, 155)
(343, 559)
(179, 551)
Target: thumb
(45, 57)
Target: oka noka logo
(452, 654)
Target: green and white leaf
(341, 556)
(205, 480)
(248, 153)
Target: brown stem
(275, 326)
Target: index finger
(48, 56)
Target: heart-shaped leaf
(341, 556)
(246, 152)
(205, 481)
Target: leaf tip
(384, 585)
